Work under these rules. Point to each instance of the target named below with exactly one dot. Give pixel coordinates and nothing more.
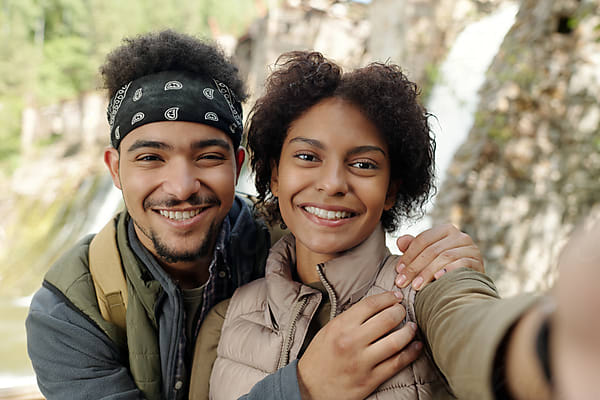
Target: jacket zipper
(284, 359)
(332, 296)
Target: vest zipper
(284, 359)
(332, 296)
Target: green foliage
(432, 76)
(51, 49)
(9, 134)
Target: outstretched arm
(572, 312)
(488, 347)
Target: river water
(15, 368)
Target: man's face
(178, 181)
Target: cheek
(222, 182)
(374, 196)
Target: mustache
(194, 200)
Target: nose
(180, 179)
(332, 179)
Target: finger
(404, 241)
(443, 247)
(391, 344)
(394, 364)
(426, 239)
(368, 307)
(452, 256)
(381, 323)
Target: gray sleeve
(71, 356)
(282, 384)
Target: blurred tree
(51, 49)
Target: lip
(328, 222)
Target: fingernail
(412, 325)
(417, 345)
(400, 280)
(400, 267)
(399, 295)
(440, 273)
(417, 282)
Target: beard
(171, 255)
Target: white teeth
(319, 212)
(179, 215)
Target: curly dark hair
(168, 51)
(382, 92)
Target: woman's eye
(306, 157)
(364, 165)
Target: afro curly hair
(382, 92)
(168, 51)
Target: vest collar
(350, 275)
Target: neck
(306, 263)
(188, 274)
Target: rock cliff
(530, 168)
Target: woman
(339, 159)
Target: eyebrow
(355, 150)
(155, 144)
(211, 142)
(364, 149)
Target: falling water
(455, 96)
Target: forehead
(177, 134)
(337, 122)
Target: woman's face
(333, 179)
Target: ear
(274, 179)
(111, 159)
(240, 156)
(390, 196)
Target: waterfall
(112, 200)
(455, 96)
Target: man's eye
(148, 158)
(211, 157)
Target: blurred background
(513, 85)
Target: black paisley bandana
(174, 96)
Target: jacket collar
(350, 275)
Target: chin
(330, 246)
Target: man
(185, 240)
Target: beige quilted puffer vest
(267, 320)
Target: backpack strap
(107, 275)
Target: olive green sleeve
(465, 322)
(205, 352)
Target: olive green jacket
(77, 354)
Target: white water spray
(455, 97)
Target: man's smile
(180, 215)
